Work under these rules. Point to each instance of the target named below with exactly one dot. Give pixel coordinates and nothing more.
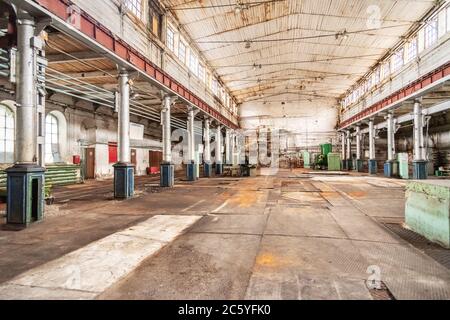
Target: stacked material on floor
(55, 175)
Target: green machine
(322, 158)
(306, 159)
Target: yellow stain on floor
(244, 199)
(267, 259)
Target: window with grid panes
(135, 7)
(182, 52)
(7, 136)
(51, 139)
(431, 32)
(170, 39)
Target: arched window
(51, 139)
(6, 134)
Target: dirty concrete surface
(292, 235)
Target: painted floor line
(88, 271)
(192, 206)
(220, 207)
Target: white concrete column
(228, 146)
(343, 145)
(166, 130)
(390, 136)
(191, 135)
(219, 145)
(358, 142)
(419, 153)
(371, 140)
(207, 142)
(124, 118)
(233, 147)
(25, 148)
(349, 145)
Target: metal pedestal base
(207, 170)
(344, 165)
(391, 169)
(420, 170)
(349, 164)
(219, 169)
(167, 175)
(25, 184)
(373, 166)
(191, 172)
(123, 180)
(359, 166)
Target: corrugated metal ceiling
(290, 62)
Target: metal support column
(191, 166)
(373, 166)
(419, 162)
(343, 152)
(349, 151)
(233, 148)
(359, 161)
(207, 167)
(167, 178)
(25, 180)
(124, 169)
(218, 152)
(228, 154)
(390, 166)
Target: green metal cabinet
(334, 162)
(403, 169)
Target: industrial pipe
(371, 140)
(124, 118)
(207, 137)
(166, 132)
(26, 93)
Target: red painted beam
(406, 91)
(96, 31)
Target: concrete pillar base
(420, 171)
(219, 169)
(391, 169)
(349, 164)
(207, 170)
(359, 166)
(344, 165)
(373, 166)
(25, 186)
(191, 172)
(123, 180)
(167, 179)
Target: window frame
(7, 134)
(52, 144)
(135, 7)
(170, 41)
(180, 45)
(431, 25)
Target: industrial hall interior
(225, 150)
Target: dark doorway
(133, 157)
(90, 163)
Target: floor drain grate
(382, 294)
(433, 250)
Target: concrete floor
(292, 235)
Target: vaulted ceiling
(313, 48)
